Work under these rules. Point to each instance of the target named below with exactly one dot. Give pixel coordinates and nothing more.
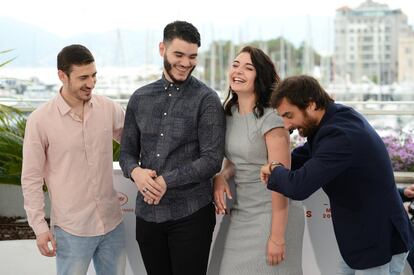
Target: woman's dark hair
(266, 79)
(300, 91)
(73, 55)
(182, 30)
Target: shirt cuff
(130, 169)
(40, 228)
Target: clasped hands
(151, 186)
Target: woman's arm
(278, 150)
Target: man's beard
(74, 92)
(168, 68)
(310, 126)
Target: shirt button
(165, 114)
(162, 134)
(178, 89)
(169, 94)
(158, 155)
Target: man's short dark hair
(73, 55)
(300, 91)
(181, 30)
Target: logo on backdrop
(122, 198)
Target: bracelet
(274, 242)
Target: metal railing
(368, 108)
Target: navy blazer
(347, 158)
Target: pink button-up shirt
(74, 159)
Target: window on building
(367, 56)
(367, 39)
(367, 48)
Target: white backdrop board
(320, 252)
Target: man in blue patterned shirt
(172, 146)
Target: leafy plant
(7, 61)
(12, 124)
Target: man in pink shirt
(68, 146)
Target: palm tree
(12, 124)
(7, 61)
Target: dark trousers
(178, 247)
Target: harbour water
(386, 107)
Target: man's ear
(162, 49)
(62, 76)
(312, 106)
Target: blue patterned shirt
(178, 131)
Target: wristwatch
(274, 164)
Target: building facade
(406, 59)
(367, 42)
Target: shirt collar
(181, 86)
(64, 107)
(329, 112)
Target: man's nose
(187, 62)
(287, 124)
(91, 82)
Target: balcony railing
(373, 110)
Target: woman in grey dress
(257, 237)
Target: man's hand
(161, 189)
(221, 187)
(43, 240)
(409, 191)
(264, 173)
(144, 180)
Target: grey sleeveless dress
(241, 242)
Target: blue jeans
(75, 253)
(394, 267)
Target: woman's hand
(275, 252)
(221, 190)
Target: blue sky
(240, 20)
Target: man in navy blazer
(346, 157)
